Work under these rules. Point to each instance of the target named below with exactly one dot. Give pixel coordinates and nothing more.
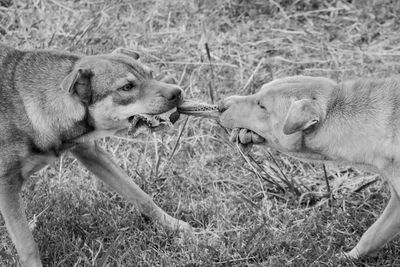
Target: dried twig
(252, 76)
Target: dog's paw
(177, 225)
(351, 255)
(184, 227)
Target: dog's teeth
(152, 122)
(134, 120)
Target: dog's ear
(169, 79)
(127, 52)
(79, 82)
(302, 115)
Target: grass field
(260, 209)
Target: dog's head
(116, 87)
(282, 112)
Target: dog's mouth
(152, 122)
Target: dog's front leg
(105, 168)
(17, 226)
(382, 231)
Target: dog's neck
(357, 124)
(55, 115)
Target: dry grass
(258, 210)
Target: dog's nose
(173, 94)
(224, 104)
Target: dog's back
(12, 113)
(14, 123)
(363, 96)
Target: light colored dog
(51, 102)
(313, 118)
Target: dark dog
(51, 102)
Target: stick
(252, 75)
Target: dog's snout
(173, 94)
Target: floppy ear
(302, 115)
(127, 52)
(79, 82)
(169, 79)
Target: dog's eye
(127, 87)
(260, 105)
